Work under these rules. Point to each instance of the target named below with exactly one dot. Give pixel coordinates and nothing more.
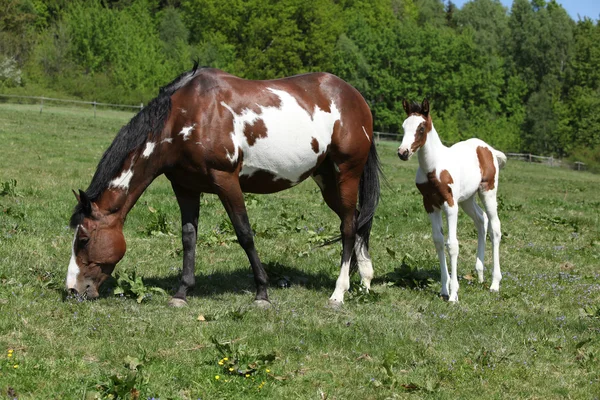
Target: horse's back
(277, 130)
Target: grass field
(539, 338)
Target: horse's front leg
(452, 244)
(437, 233)
(227, 187)
(189, 205)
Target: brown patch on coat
(255, 131)
(264, 182)
(487, 168)
(436, 191)
(314, 143)
(421, 134)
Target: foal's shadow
(242, 280)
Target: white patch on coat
(167, 140)
(186, 131)
(123, 180)
(73, 270)
(183, 111)
(286, 152)
(149, 149)
(366, 134)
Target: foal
(448, 176)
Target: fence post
(551, 161)
(94, 108)
(141, 106)
(41, 104)
(529, 157)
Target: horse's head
(98, 246)
(416, 127)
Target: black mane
(151, 119)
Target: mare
(211, 132)
(447, 177)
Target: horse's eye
(421, 129)
(83, 241)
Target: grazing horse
(448, 176)
(211, 132)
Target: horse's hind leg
(481, 221)
(488, 198)
(228, 189)
(340, 191)
(189, 203)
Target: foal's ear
(406, 106)
(425, 107)
(86, 204)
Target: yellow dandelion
(16, 366)
(10, 355)
(217, 377)
(268, 370)
(225, 358)
(10, 350)
(220, 362)
(230, 369)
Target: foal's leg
(481, 221)
(189, 204)
(228, 189)
(452, 244)
(490, 203)
(437, 232)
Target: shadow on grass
(242, 280)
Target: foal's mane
(150, 120)
(415, 108)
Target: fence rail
(551, 161)
(41, 100)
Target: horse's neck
(431, 151)
(123, 192)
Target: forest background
(523, 79)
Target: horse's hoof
(177, 302)
(444, 297)
(334, 304)
(494, 290)
(263, 304)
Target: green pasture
(539, 338)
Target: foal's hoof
(444, 297)
(334, 304)
(177, 302)
(262, 304)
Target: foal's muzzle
(404, 154)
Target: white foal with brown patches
(451, 176)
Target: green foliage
(9, 188)
(131, 285)
(158, 224)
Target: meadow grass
(537, 338)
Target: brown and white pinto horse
(450, 176)
(211, 132)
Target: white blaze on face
(186, 131)
(286, 151)
(73, 270)
(122, 181)
(410, 126)
(149, 149)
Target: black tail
(368, 194)
(368, 197)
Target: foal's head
(416, 127)
(98, 246)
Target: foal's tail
(501, 157)
(368, 194)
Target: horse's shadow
(242, 280)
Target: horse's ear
(76, 195)
(86, 204)
(425, 107)
(406, 106)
